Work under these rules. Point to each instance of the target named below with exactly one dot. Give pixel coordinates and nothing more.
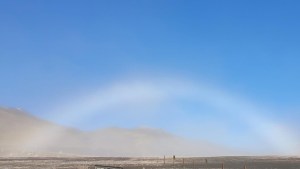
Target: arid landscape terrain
(152, 163)
(24, 135)
(17, 125)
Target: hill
(25, 135)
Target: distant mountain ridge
(23, 134)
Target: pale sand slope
(22, 134)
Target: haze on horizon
(210, 77)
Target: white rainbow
(150, 92)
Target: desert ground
(152, 163)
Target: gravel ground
(152, 163)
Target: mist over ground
(25, 135)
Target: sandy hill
(22, 134)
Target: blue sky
(56, 53)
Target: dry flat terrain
(152, 163)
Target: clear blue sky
(51, 51)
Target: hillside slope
(22, 134)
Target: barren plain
(152, 163)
